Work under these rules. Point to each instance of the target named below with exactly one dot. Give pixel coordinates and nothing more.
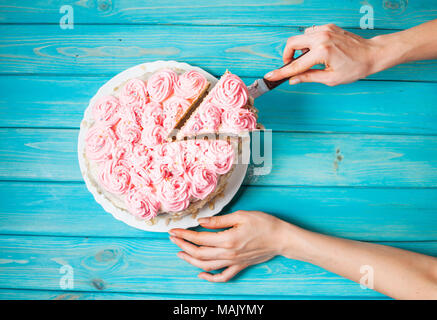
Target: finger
(200, 238)
(302, 51)
(288, 55)
(223, 276)
(325, 27)
(208, 265)
(204, 253)
(218, 222)
(321, 76)
(293, 44)
(298, 66)
(311, 29)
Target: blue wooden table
(382, 189)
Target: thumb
(321, 76)
(218, 222)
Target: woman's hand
(254, 237)
(346, 56)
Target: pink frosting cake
(226, 109)
(134, 165)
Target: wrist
(387, 51)
(294, 243)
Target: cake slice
(227, 108)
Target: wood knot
(395, 6)
(99, 284)
(338, 158)
(106, 255)
(104, 5)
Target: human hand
(254, 237)
(346, 56)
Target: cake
(138, 170)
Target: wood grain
(387, 14)
(103, 49)
(299, 159)
(20, 294)
(137, 265)
(68, 209)
(356, 161)
(364, 106)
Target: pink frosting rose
(122, 150)
(134, 94)
(153, 135)
(189, 155)
(141, 157)
(128, 131)
(105, 110)
(160, 84)
(230, 92)
(202, 181)
(193, 125)
(140, 178)
(190, 84)
(99, 142)
(115, 177)
(174, 194)
(142, 203)
(196, 147)
(160, 172)
(174, 108)
(237, 120)
(221, 156)
(153, 114)
(210, 115)
(169, 152)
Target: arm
(348, 57)
(255, 237)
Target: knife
(261, 86)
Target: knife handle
(273, 84)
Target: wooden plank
(103, 49)
(135, 265)
(299, 159)
(68, 209)
(364, 106)
(19, 294)
(387, 14)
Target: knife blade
(261, 86)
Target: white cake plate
(162, 223)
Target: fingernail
(172, 239)
(172, 233)
(294, 81)
(269, 75)
(203, 220)
(180, 254)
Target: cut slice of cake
(227, 108)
